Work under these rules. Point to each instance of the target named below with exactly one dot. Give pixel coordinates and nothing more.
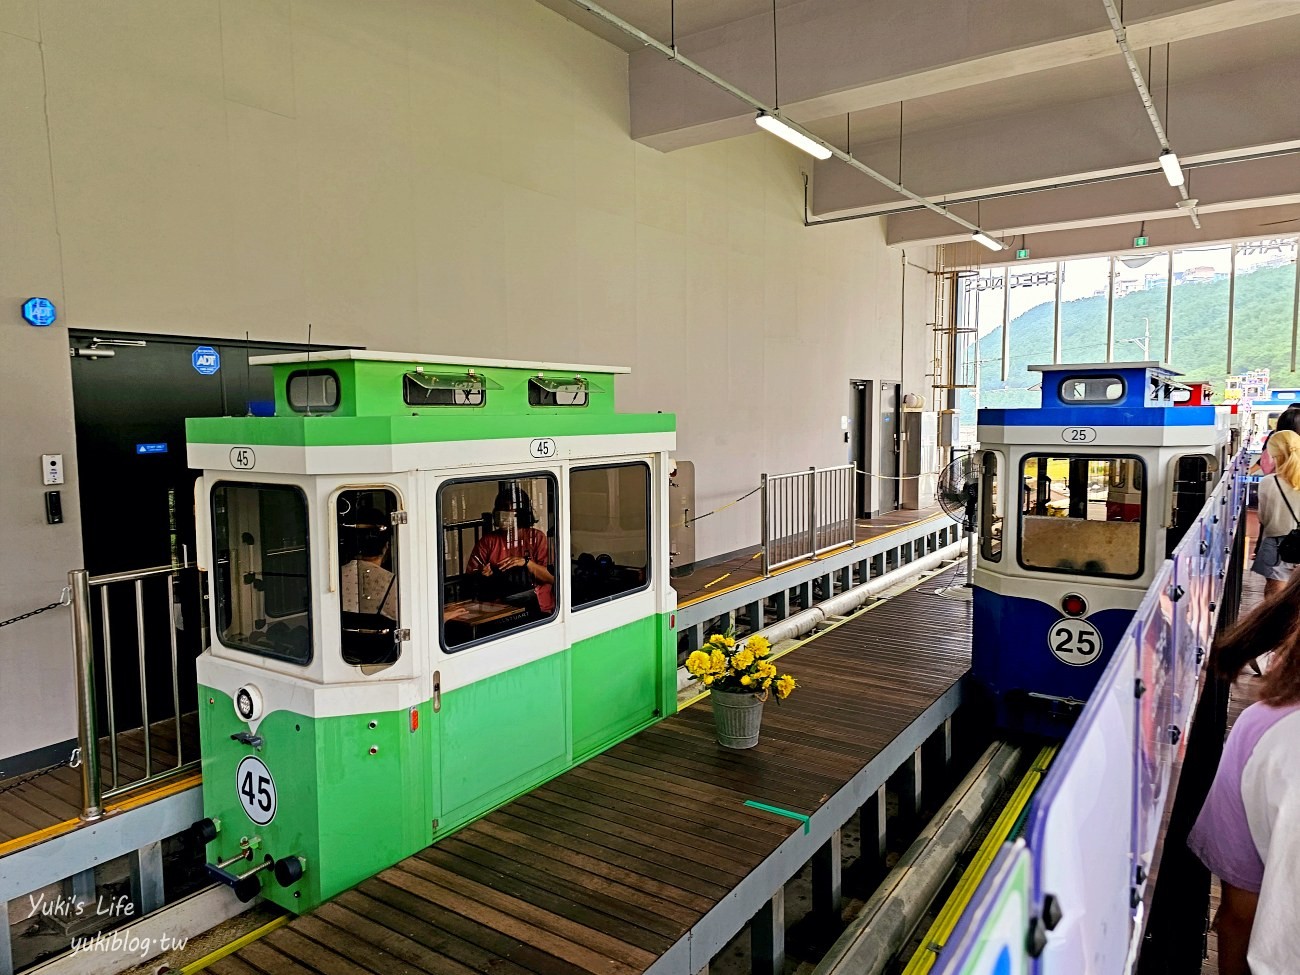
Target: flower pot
(736, 718)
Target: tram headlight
(1074, 605)
(248, 703)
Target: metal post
(144, 689)
(871, 823)
(147, 878)
(767, 539)
(755, 613)
(1295, 311)
(1110, 312)
(812, 512)
(1232, 296)
(909, 786)
(1056, 319)
(108, 683)
(176, 687)
(87, 733)
(1006, 324)
(1169, 313)
(767, 936)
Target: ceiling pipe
(1121, 37)
(672, 54)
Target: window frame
(649, 531)
(407, 380)
(1092, 400)
(217, 629)
(1143, 524)
(985, 506)
(335, 566)
(556, 593)
(308, 373)
(536, 389)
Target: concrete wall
(429, 176)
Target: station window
(1074, 519)
(559, 391)
(313, 390)
(1092, 389)
(421, 388)
(368, 572)
(498, 556)
(262, 581)
(610, 532)
(990, 506)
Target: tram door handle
(437, 691)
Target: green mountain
(1261, 327)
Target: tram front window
(610, 532)
(261, 578)
(498, 556)
(368, 571)
(1083, 515)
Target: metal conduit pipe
(806, 620)
(876, 935)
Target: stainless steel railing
(154, 625)
(805, 513)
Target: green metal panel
(348, 431)
(501, 736)
(616, 686)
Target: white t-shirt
(1274, 518)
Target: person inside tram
(1289, 420)
(1248, 831)
(365, 586)
(512, 562)
(1279, 509)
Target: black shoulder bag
(1288, 549)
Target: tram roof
(1106, 367)
(364, 355)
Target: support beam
(908, 784)
(147, 878)
(827, 882)
(871, 823)
(767, 936)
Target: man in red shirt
(513, 559)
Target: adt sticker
(206, 360)
(39, 311)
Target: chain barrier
(65, 599)
(72, 761)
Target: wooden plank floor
(36, 801)
(608, 866)
(745, 567)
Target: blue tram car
(1079, 501)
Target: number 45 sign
(256, 790)
(1075, 642)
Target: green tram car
(435, 583)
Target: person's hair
(1272, 625)
(1290, 419)
(1284, 448)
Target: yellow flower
(717, 640)
(698, 662)
(707, 679)
(729, 641)
(718, 660)
(747, 680)
(784, 685)
(742, 659)
(758, 646)
(766, 669)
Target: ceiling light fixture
(1173, 171)
(981, 237)
(792, 136)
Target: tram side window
(368, 576)
(1084, 515)
(261, 578)
(990, 507)
(610, 532)
(498, 556)
(1193, 477)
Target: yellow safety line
(941, 930)
(68, 825)
(808, 639)
(240, 942)
(725, 575)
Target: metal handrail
(82, 584)
(806, 513)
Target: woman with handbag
(1278, 548)
(1289, 420)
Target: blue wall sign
(151, 448)
(206, 360)
(39, 311)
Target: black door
(131, 396)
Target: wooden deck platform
(37, 805)
(646, 858)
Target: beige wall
(407, 175)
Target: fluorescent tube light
(796, 139)
(983, 238)
(1173, 172)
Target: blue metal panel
(1101, 416)
(1010, 657)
